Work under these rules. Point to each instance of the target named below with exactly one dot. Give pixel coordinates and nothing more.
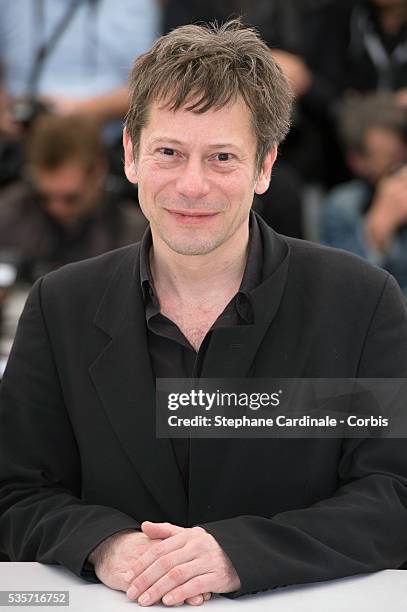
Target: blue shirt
(343, 226)
(94, 54)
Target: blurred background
(341, 175)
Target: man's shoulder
(330, 270)
(317, 269)
(322, 256)
(94, 273)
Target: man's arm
(42, 517)
(105, 107)
(388, 211)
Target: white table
(381, 592)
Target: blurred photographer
(368, 215)
(69, 57)
(65, 210)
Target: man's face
(68, 193)
(196, 175)
(383, 152)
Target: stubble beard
(193, 245)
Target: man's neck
(195, 279)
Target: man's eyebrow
(220, 145)
(224, 145)
(167, 140)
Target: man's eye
(223, 157)
(167, 151)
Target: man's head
(67, 166)
(208, 108)
(374, 132)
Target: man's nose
(193, 180)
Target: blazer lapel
(124, 381)
(232, 350)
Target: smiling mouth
(192, 213)
(192, 218)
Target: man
(210, 292)
(65, 211)
(368, 215)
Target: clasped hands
(167, 563)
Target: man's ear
(129, 163)
(263, 178)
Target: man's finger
(157, 551)
(164, 566)
(195, 601)
(196, 585)
(160, 530)
(174, 578)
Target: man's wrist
(99, 553)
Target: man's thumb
(159, 530)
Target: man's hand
(184, 564)
(114, 558)
(389, 209)
(401, 97)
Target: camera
(24, 111)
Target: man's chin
(192, 248)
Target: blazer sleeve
(42, 517)
(362, 527)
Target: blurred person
(64, 211)
(368, 215)
(73, 55)
(364, 45)
(68, 57)
(377, 55)
(347, 46)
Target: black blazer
(79, 459)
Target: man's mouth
(193, 213)
(192, 217)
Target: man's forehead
(193, 104)
(229, 125)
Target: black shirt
(171, 354)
